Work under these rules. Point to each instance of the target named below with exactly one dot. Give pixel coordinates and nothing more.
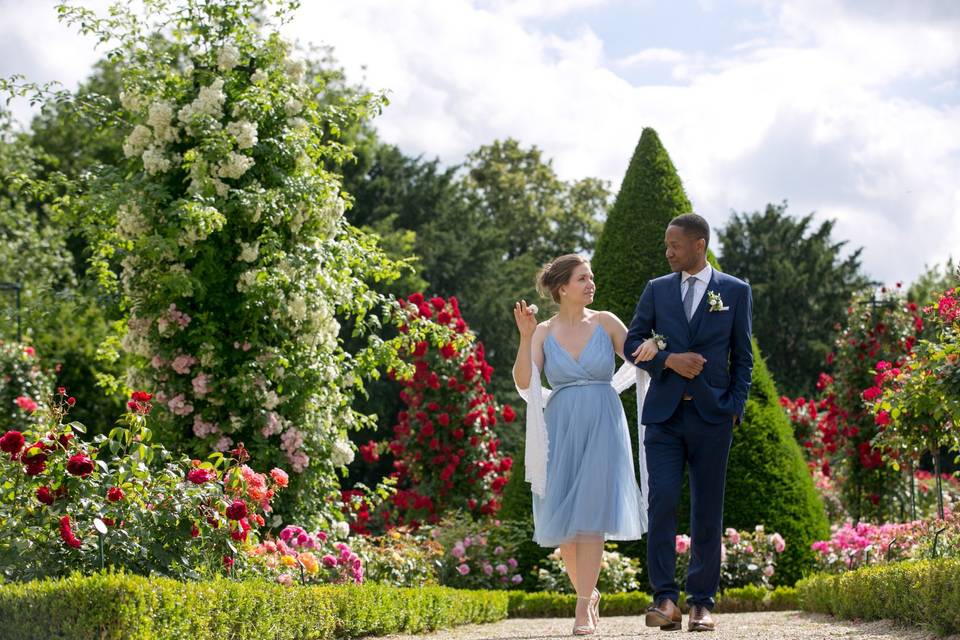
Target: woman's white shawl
(537, 445)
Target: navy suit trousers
(686, 440)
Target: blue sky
(848, 108)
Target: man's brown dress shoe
(665, 614)
(700, 619)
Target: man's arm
(640, 328)
(741, 354)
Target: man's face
(683, 250)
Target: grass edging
(920, 592)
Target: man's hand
(689, 365)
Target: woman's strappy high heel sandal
(590, 628)
(595, 607)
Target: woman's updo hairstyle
(557, 273)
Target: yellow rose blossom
(309, 562)
(288, 561)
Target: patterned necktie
(688, 298)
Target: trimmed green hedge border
(559, 605)
(922, 592)
(115, 606)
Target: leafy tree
(61, 316)
(801, 288)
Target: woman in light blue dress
(590, 493)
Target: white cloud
(846, 108)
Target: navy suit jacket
(722, 337)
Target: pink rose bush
(856, 545)
(477, 555)
(746, 557)
(299, 556)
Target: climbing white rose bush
(235, 259)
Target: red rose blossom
(200, 476)
(237, 510)
(115, 494)
(12, 442)
(80, 465)
(66, 533)
(44, 495)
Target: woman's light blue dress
(591, 488)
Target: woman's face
(580, 288)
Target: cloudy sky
(846, 108)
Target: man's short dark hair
(693, 225)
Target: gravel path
(785, 625)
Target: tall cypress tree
(630, 249)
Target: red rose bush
(161, 515)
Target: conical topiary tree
(767, 480)
(629, 251)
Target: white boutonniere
(715, 302)
(659, 339)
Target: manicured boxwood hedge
(559, 605)
(925, 592)
(123, 606)
(114, 606)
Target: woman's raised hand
(526, 317)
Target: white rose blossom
(236, 165)
(154, 161)
(249, 251)
(159, 118)
(209, 101)
(292, 106)
(259, 77)
(137, 141)
(228, 58)
(298, 309)
(341, 454)
(245, 133)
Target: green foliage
(926, 289)
(26, 387)
(768, 482)
(924, 592)
(59, 315)
(122, 606)
(801, 287)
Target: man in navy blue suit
(698, 391)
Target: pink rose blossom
(463, 569)
(182, 363)
(201, 384)
(223, 444)
(683, 543)
(179, 406)
(202, 429)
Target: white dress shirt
(700, 284)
